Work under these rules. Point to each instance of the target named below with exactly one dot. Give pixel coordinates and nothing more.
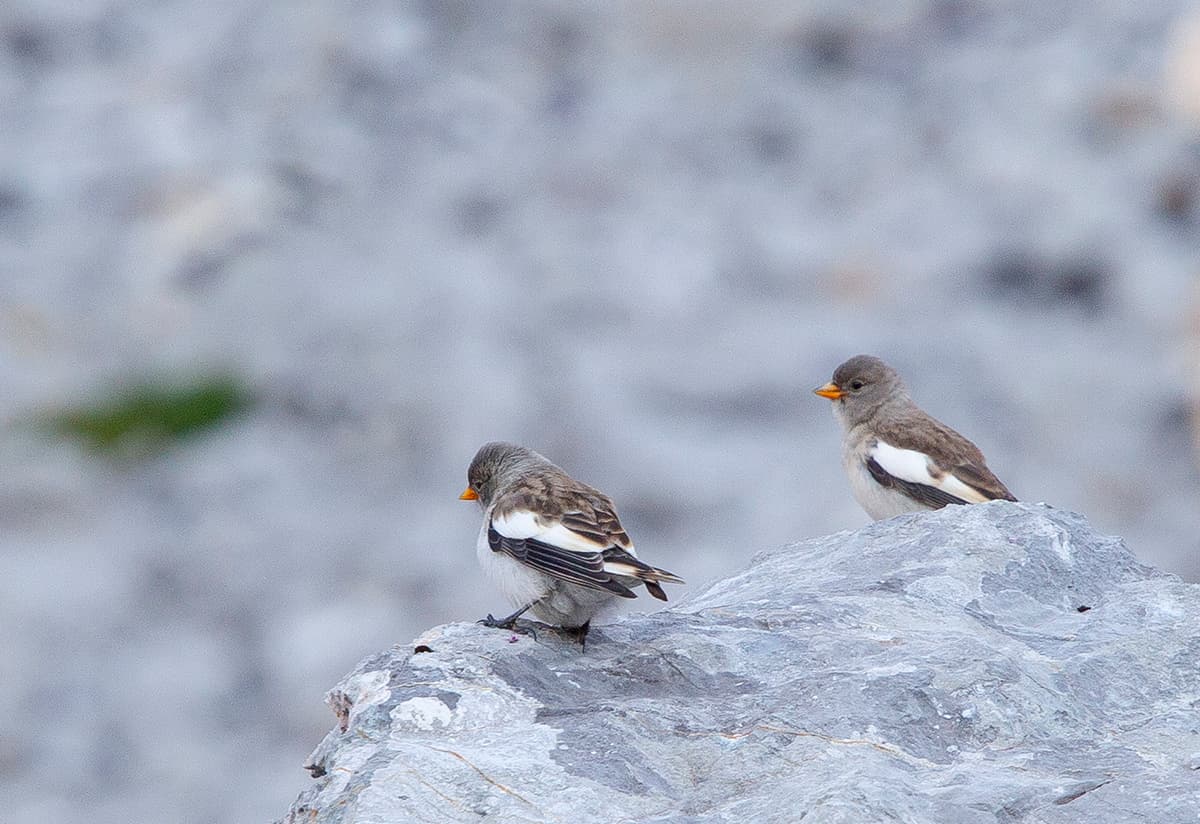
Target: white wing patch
(518, 524)
(959, 489)
(521, 523)
(913, 466)
(618, 568)
(905, 464)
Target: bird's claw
(509, 624)
(497, 623)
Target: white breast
(879, 501)
(518, 583)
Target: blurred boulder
(1182, 72)
(1080, 281)
(1000, 662)
(1193, 356)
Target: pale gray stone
(999, 662)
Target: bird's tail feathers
(653, 577)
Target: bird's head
(492, 468)
(860, 386)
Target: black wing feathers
(928, 495)
(583, 568)
(984, 481)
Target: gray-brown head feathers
(861, 386)
(497, 464)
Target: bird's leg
(580, 634)
(509, 623)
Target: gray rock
(999, 662)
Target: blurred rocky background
(271, 272)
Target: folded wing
(924, 479)
(586, 546)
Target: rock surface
(989, 663)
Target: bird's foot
(580, 634)
(509, 623)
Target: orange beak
(469, 495)
(830, 390)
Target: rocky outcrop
(999, 662)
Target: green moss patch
(152, 415)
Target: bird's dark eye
(856, 385)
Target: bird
(899, 458)
(554, 546)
